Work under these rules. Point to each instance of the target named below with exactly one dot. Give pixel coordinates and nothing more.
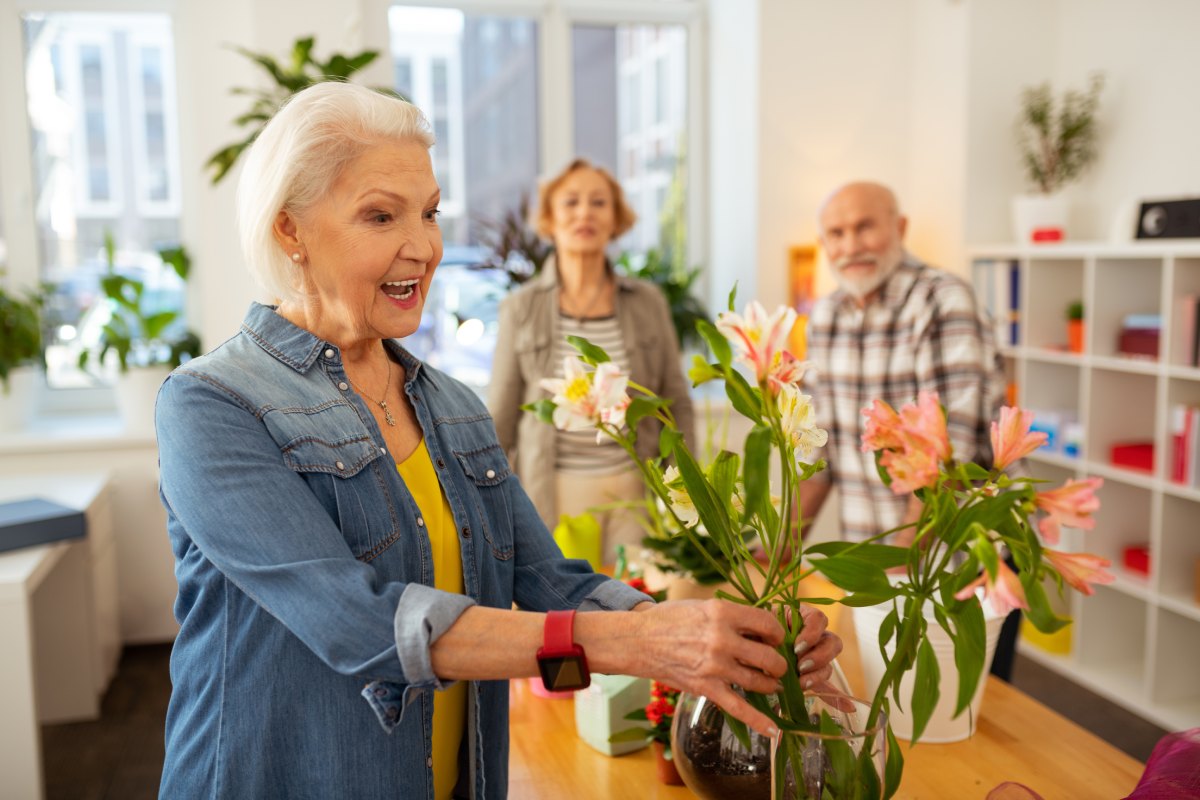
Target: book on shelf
(1185, 444)
(1185, 345)
(998, 288)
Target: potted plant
(21, 354)
(139, 335)
(1057, 138)
(300, 70)
(968, 512)
(1075, 328)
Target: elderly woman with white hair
(349, 540)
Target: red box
(1133, 455)
(1139, 342)
(1137, 559)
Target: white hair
(300, 153)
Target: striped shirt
(922, 331)
(577, 451)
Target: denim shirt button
(340, 465)
(420, 522)
(429, 762)
(383, 451)
(329, 353)
(491, 473)
(466, 531)
(441, 464)
(343, 386)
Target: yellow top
(450, 705)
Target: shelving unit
(1137, 640)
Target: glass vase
(843, 758)
(711, 760)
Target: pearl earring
(296, 257)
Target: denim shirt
(306, 605)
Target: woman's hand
(702, 647)
(816, 648)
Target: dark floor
(119, 756)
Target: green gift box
(600, 711)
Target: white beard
(861, 287)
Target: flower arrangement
(659, 712)
(969, 512)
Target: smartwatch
(563, 663)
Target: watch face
(563, 673)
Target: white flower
(757, 337)
(799, 421)
(681, 501)
(583, 399)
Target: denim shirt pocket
(342, 473)
(487, 470)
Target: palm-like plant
(297, 72)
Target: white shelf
(1117, 400)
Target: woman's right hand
(701, 647)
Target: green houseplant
(968, 512)
(136, 332)
(298, 71)
(1057, 137)
(20, 332)
(1075, 329)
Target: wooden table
(1016, 739)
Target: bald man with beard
(894, 327)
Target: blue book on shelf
(25, 523)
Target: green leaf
(709, 507)
(756, 479)
(893, 766)
(1040, 612)
(970, 651)
(668, 440)
(544, 409)
(733, 296)
(701, 371)
(926, 689)
(739, 729)
(854, 575)
(590, 353)
(744, 397)
(717, 343)
(866, 599)
(154, 324)
(640, 407)
(884, 556)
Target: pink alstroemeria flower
(787, 370)
(1080, 570)
(1005, 593)
(757, 337)
(913, 467)
(883, 427)
(1071, 504)
(582, 399)
(1011, 438)
(925, 422)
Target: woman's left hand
(816, 648)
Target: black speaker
(1169, 219)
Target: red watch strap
(559, 633)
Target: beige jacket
(524, 355)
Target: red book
(1179, 442)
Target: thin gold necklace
(580, 317)
(387, 414)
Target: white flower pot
(1039, 212)
(136, 391)
(942, 727)
(17, 405)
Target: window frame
(555, 19)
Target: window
(100, 90)
(475, 77)
(634, 123)
(479, 79)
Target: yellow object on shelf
(579, 537)
(1057, 643)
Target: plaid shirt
(922, 331)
